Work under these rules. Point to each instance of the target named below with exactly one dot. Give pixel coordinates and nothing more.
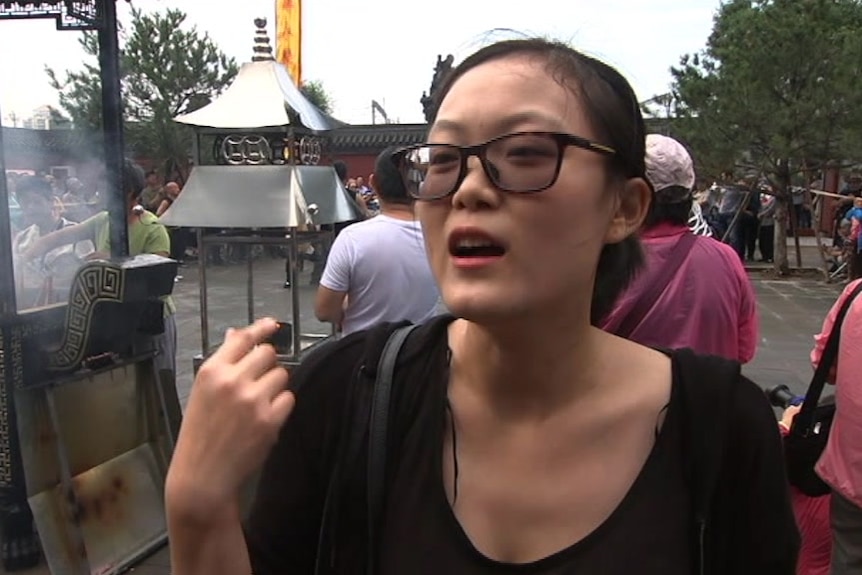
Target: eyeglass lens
(515, 163)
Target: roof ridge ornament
(262, 46)
(429, 100)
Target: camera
(781, 396)
(282, 339)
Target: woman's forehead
(506, 122)
(509, 94)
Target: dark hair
(671, 213)
(34, 185)
(340, 169)
(388, 183)
(134, 181)
(613, 110)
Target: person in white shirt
(377, 270)
(48, 279)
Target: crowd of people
(50, 248)
(749, 204)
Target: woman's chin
(484, 306)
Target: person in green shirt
(146, 236)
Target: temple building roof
(262, 95)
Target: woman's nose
(476, 189)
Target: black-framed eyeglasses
(523, 163)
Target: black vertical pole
(8, 305)
(112, 126)
(16, 522)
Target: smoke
(58, 156)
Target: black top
(649, 533)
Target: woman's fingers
(239, 342)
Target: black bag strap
(378, 436)
(353, 434)
(679, 252)
(804, 423)
(707, 384)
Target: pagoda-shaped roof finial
(262, 47)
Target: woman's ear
(630, 209)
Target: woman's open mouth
(474, 248)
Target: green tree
(317, 95)
(775, 91)
(80, 91)
(167, 69)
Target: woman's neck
(531, 369)
(397, 211)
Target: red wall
(359, 165)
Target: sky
(386, 50)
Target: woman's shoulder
(718, 385)
(847, 292)
(335, 364)
(735, 455)
(151, 219)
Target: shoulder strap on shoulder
(707, 385)
(367, 426)
(803, 423)
(378, 432)
(379, 422)
(352, 436)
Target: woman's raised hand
(238, 404)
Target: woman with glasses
(524, 439)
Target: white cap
(668, 164)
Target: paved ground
(791, 311)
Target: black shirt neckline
(639, 488)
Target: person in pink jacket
(812, 518)
(840, 466)
(707, 303)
